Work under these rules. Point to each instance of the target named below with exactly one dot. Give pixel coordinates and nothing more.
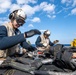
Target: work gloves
(32, 33)
(56, 41)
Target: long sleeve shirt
(8, 42)
(39, 44)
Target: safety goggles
(47, 35)
(20, 21)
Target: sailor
(43, 41)
(11, 39)
(73, 43)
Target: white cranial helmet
(47, 32)
(21, 13)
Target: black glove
(31, 48)
(56, 41)
(32, 33)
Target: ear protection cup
(45, 32)
(12, 15)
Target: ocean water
(62, 44)
(67, 44)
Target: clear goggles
(47, 35)
(20, 21)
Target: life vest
(16, 48)
(44, 41)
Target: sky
(58, 16)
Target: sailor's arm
(51, 43)
(7, 42)
(38, 42)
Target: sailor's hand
(56, 41)
(32, 33)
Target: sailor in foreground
(11, 39)
(43, 42)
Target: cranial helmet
(47, 32)
(18, 13)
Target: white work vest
(44, 40)
(10, 32)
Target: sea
(66, 45)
